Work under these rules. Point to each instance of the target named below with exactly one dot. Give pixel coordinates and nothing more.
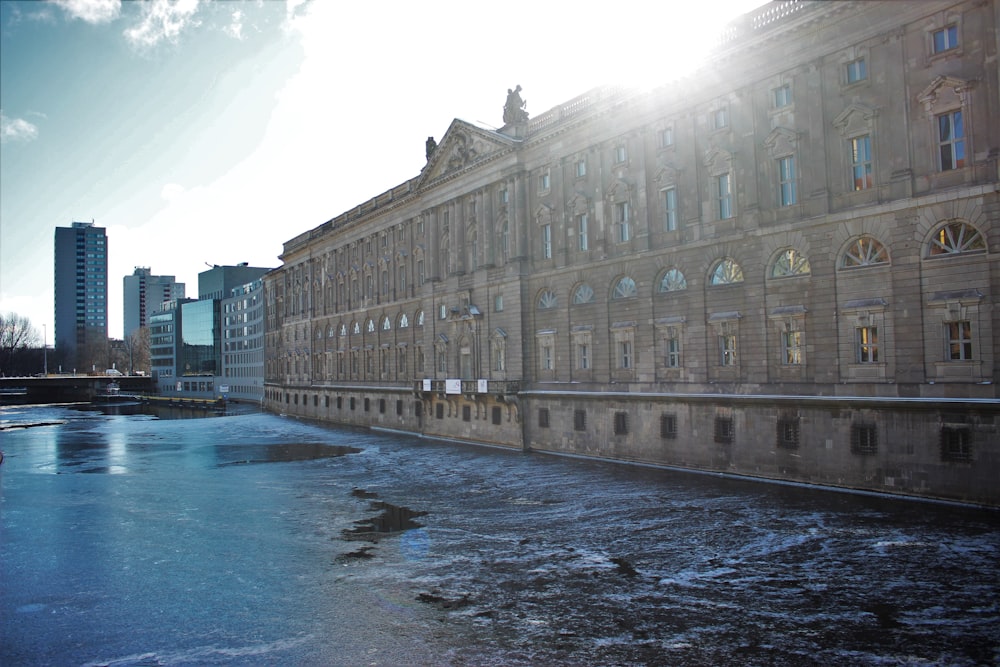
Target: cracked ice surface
(256, 539)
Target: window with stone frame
(498, 350)
(546, 346)
(789, 263)
(623, 340)
(623, 230)
(672, 280)
(581, 339)
(582, 231)
(955, 238)
(669, 199)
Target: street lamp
(45, 350)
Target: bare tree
(16, 335)
(137, 346)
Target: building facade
(243, 342)
(783, 265)
(143, 294)
(81, 294)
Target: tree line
(22, 352)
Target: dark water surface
(257, 539)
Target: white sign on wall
(427, 384)
(481, 386)
(453, 386)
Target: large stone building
(783, 265)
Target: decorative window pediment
(619, 191)
(666, 175)
(856, 119)
(578, 205)
(945, 92)
(718, 160)
(543, 214)
(781, 141)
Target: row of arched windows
(863, 251)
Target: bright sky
(211, 132)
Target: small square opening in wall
(439, 410)
(788, 433)
(579, 420)
(956, 444)
(466, 413)
(543, 417)
(621, 423)
(864, 439)
(497, 415)
(724, 429)
(668, 425)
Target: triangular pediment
(463, 145)
(854, 119)
(543, 214)
(781, 141)
(944, 91)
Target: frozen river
(257, 539)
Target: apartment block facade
(144, 294)
(783, 266)
(81, 294)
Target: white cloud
(16, 129)
(92, 11)
(162, 20)
(235, 29)
(171, 191)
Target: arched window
(624, 288)
(386, 323)
(370, 326)
(954, 238)
(790, 262)
(357, 328)
(343, 329)
(864, 251)
(420, 318)
(404, 321)
(547, 299)
(672, 281)
(727, 272)
(583, 294)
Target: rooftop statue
(513, 110)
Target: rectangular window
(951, 140)
(498, 303)
(724, 429)
(581, 168)
(546, 354)
(496, 415)
(621, 423)
(782, 96)
(856, 70)
(673, 352)
(723, 193)
(582, 356)
(720, 119)
(621, 154)
(666, 137)
(786, 180)
(945, 39)
(727, 349)
(668, 426)
(543, 417)
(625, 354)
(956, 444)
(791, 344)
(581, 228)
(670, 210)
(543, 181)
(861, 162)
(622, 221)
(788, 433)
(502, 195)
(959, 340)
(439, 410)
(867, 344)
(466, 413)
(547, 241)
(421, 278)
(579, 420)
